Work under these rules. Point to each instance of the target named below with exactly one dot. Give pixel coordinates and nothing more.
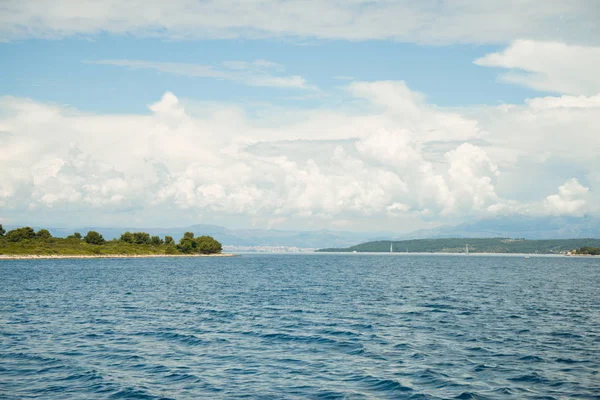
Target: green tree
(187, 244)
(127, 237)
(208, 245)
(169, 240)
(2, 231)
(16, 235)
(156, 241)
(75, 236)
(94, 237)
(43, 234)
(141, 238)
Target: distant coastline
(476, 246)
(63, 256)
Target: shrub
(171, 250)
(16, 235)
(43, 234)
(208, 245)
(141, 238)
(94, 237)
(127, 237)
(76, 235)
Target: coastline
(65, 256)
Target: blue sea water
(316, 326)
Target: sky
(284, 114)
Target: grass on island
(25, 241)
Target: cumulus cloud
(427, 21)
(392, 158)
(549, 66)
(471, 178)
(572, 199)
(255, 73)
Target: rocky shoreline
(61, 256)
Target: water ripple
(301, 326)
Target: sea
(301, 326)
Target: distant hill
(458, 245)
(522, 227)
(519, 226)
(239, 237)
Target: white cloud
(471, 178)
(572, 199)
(426, 21)
(549, 66)
(392, 157)
(255, 73)
(571, 102)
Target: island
(475, 245)
(25, 242)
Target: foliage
(127, 237)
(202, 244)
(593, 251)
(94, 237)
(187, 245)
(16, 235)
(24, 241)
(43, 234)
(141, 238)
(476, 245)
(170, 249)
(208, 245)
(2, 230)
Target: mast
(467, 249)
(391, 247)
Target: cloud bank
(394, 161)
(425, 21)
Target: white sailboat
(391, 247)
(467, 249)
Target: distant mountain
(508, 227)
(240, 237)
(517, 227)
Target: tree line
(188, 244)
(592, 251)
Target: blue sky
(363, 115)
(59, 71)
